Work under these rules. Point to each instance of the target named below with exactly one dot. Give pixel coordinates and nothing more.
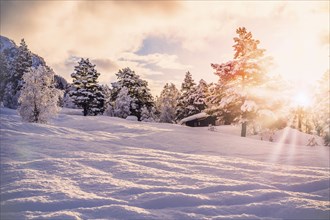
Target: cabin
(198, 120)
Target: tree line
(244, 94)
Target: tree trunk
(299, 123)
(243, 131)
(85, 110)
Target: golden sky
(163, 40)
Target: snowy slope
(108, 168)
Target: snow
(193, 117)
(248, 106)
(290, 136)
(103, 167)
(6, 44)
(132, 118)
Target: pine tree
(87, 93)
(221, 104)
(68, 101)
(137, 89)
(4, 74)
(21, 65)
(186, 103)
(123, 104)
(245, 72)
(99, 103)
(200, 96)
(38, 98)
(167, 102)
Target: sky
(162, 40)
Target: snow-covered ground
(108, 168)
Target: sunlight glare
(302, 100)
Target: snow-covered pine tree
(38, 97)
(137, 89)
(148, 115)
(98, 105)
(61, 84)
(245, 72)
(87, 93)
(21, 65)
(167, 102)
(200, 95)
(186, 106)
(221, 105)
(123, 104)
(4, 74)
(67, 99)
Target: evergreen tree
(137, 89)
(147, 115)
(21, 65)
(67, 99)
(186, 103)
(4, 74)
(123, 104)
(60, 82)
(38, 96)
(99, 103)
(225, 108)
(87, 94)
(200, 96)
(245, 72)
(167, 102)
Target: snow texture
(109, 168)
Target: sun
(302, 100)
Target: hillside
(9, 48)
(108, 168)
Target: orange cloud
(106, 31)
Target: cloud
(113, 34)
(325, 38)
(105, 64)
(165, 61)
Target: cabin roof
(194, 117)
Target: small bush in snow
(38, 98)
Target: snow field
(108, 168)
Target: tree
(186, 106)
(67, 99)
(87, 94)
(321, 108)
(38, 97)
(221, 103)
(21, 65)
(137, 89)
(123, 104)
(148, 115)
(199, 96)
(4, 74)
(167, 102)
(242, 75)
(98, 105)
